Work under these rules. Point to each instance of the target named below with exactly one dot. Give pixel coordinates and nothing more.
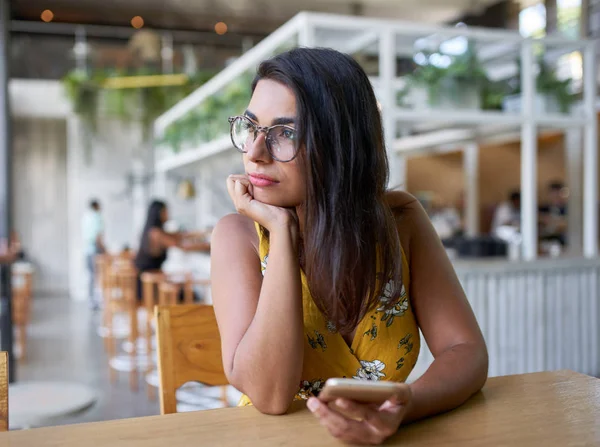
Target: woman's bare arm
(444, 316)
(260, 319)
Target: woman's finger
(337, 424)
(230, 188)
(343, 428)
(350, 409)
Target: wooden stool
(22, 285)
(102, 266)
(122, 282)
(150, 285)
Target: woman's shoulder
(406, 209)
(400, 200)
(235, 231)
(409, 214)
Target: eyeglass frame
(257, 130)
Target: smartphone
(362, 391)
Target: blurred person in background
(445, 219)
(93, 237)
(10, 251)
(553, 214)
(508, 213)
(155, 241)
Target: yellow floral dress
(385, 346)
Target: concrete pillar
(6, 334)
(574, 163)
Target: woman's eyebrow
(275, 122)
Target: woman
(155, 241)
(323, 273)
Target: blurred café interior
(114, 115)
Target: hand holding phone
(362, 391)
(361, 412)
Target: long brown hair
(351, 244)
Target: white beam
(528, 156)
(359, 42)
(190, 156)
(387, 78)
(590, 148)
(471, 172)
(306, 32)
(406, 28)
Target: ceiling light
(47, 16)
(221, 28)
(137, 22)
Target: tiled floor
(63, 345)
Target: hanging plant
(209, 120)
(91, 100)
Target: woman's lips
(261, 180)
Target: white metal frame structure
(392, 39)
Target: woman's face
(276, 183)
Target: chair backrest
(189, 349)
(3, 391)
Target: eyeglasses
(280, 139)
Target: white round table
(37, 403)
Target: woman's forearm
(267, 363)
(453, 377)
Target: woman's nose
(256, 149)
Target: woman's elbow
(482, 367)
(264, 398)
(272, 406)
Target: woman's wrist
(285, 232)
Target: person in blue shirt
(93, 231)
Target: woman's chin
(272, 199)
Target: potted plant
(458, 85)
(553, 95)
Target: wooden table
(543, 409)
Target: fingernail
(312, 404)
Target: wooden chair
(3, 391)
(189, 349)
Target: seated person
(507, 213)
(323, 272)
(155, 241)
(553, 214)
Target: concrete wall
(40, 199)
(105, 171)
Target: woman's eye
(289, 134)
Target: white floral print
(370, 370)
(263, 264)
(398, 310)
